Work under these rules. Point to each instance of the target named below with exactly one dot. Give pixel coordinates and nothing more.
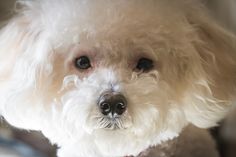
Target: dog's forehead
(113, 27)
(72, 20)
(108, 53)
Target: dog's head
(123, 74)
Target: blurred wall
(6, 9)
(225, 11)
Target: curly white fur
(193, 80)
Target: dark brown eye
(144, 64)
(82, 62)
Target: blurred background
(6, 9)
(20, 143)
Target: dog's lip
(113, 128)
(113, 124)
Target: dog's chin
(116, 141)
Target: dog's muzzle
(112, 103)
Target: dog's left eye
(82, 62)
(144, 64)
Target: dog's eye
(144, 64)
(82, 62)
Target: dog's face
(124, 75)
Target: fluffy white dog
(117, 77)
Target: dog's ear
(22, 48)
(13, 39)
(23, 60)
(217, 50)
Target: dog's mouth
(111, 123)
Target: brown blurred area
(6, 9)
(224, 11)
(35, 140)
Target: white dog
(117, 77)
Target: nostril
(120, 108)
(105, 108)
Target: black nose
(113, 103)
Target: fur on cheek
(151, 100)
(77, 105)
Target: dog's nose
(113, 103)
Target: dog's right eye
(144, 64)
(82, 62)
